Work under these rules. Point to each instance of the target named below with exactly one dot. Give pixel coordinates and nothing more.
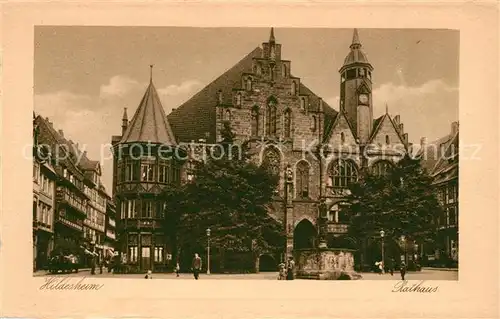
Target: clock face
(363, 98)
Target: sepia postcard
(183, 159)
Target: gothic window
(249, 84)
(302, 179)
(342, 173)
(255, 121)
(302, 104)
(130, 170)
(238, 99)
(351, 74)
(147, 172)
(314, 124)
(164, 172)
(284, 70)
(219, 96)
(342, 138)
(294, 88)
(227, 115)
(271, 160)
(387, 140)
(271, 119)
(288, 123)
(381, 168)
(176, 173)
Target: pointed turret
(124, 120)
(149, 123)
(355, 40)
(271, 36)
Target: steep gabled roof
(378, 124)
(150, 123)
(433, 151)
(334, 124)
(447, 162)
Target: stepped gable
(149, 123)
(196, 117)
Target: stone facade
(265, 103)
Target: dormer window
(387, 140)
(227, 115)
(342, 138)
(294, 88)
(303, 104)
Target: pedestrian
(93, 263)
(196, 267)
(381, 267)
(290, 269)
(149, 275)
(282, 271)
(402, 269)
(177, 269)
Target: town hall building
(317, 149)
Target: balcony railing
(69, 223)
(63, 196)
(337, 228)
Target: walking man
(290, 269)
(402, 269)
(196, 266)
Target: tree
(230, 195)
(402, 203)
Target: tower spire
(124, 121)
(151, 73)
(271, 37)
(386, 108)
(355, 40)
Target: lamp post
(382, 234)
(403, 239)
(208, 251)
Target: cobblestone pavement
(425, 274)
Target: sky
(85, 76)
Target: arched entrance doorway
(304, 235)
(267, 263)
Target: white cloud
(185, 87)
(119, 86)
(425, 110)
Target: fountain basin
(325, 264)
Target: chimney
(423, 142)
(396, 119)
(59, 131)
(454, 128)
(401, 128)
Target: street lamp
(403, 239)
(382, 234)
(208, 251)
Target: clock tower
(356, 90)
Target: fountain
(323, 262)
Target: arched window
(288, 123)
(313, 123)
(238, 99)
(381, 168)
(284, 70)
(259, 70)
(341, 173)
(387, 140)
(302, 179)
(342, 138)
(294, 88)
(272, 160)
(255, 121)
(271, 118)
(227, 115)
(302, 104)
(249, 84)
